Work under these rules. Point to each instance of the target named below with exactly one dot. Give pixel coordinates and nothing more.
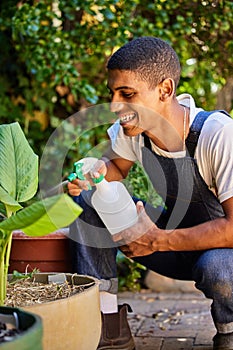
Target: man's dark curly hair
(151, 58)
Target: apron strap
(147, 141)
(195, 129)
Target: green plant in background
(139, 185)
(18, 184)
(130, 273)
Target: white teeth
(127, 118)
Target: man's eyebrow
(121, 87)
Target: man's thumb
(140, 207)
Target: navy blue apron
(187, 198)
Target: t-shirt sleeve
(222, 161)
(121, 144)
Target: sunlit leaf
(44, 217)
(18, 164)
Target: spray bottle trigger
(79, 173)
(78, 170)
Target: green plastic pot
(31, 327)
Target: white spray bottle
(111, 200)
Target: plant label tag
(58, 278)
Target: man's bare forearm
(117, 168)
(217, 233)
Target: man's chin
(132, 131)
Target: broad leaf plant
(18, 184)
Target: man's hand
(77, 186)
(138, 240)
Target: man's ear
(166, 89)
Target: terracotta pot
(74, 322)
(48, 253)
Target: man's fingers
(140, 207)
(125, 249)
(77, 186)
(75, 192)
(117, 237)
(99, 168)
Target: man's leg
(94, 253)
(212, 271)
(213, 274)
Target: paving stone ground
(170, 321)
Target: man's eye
(128, 94)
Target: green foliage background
(53, 53)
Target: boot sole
(114, 348)
(129, 346)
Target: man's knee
(213, 272)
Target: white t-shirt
(214, 151)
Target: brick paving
(170, 321)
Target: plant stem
(8, 251)
(4, 264)
(2, 277)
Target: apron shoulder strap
(195, 129)
(147, 141)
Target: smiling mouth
(127, 118)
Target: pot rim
(86, 281)
(60, 234)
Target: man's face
(134, 103)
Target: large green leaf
(44, 217)
(19, 164)
(10, 204)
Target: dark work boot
(223, 341)
(116, 333)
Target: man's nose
(116, 106)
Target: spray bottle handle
(77, 174)
(78, 171)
